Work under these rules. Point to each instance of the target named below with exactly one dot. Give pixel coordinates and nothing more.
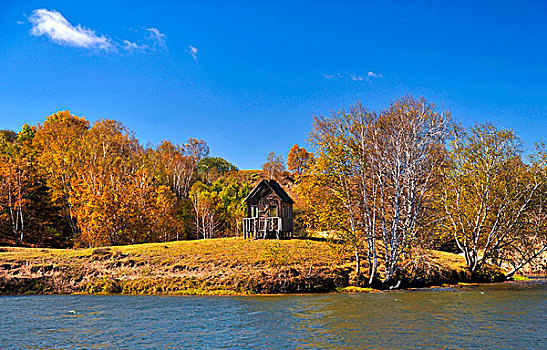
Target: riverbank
(225, 266)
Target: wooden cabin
(269, 211)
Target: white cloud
(128, 45)
(157, 37)
(352, 76)
(53, 25)
(192, 51)
(374, 75)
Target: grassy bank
(208, 267)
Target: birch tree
(14, 192)
(332, 186)
(274, 166)
(205, 204)
(407, 150)
(494, 203)
(177, 164)
(17, 179)
(380, 166)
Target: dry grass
(353, 289)
(449, 260)
(216, 266)
(221, 266)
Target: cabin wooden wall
(263, 199)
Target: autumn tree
(57, 143)
(114, 196)
(493, 202)
(18, 180)
(274, 166)
(332, 185)
(177, 164)
(7, 177)
(218, 207)
(196, 149)
(299, 160)
(528, 241)
(14, 193)
(206, 216)
(379, 168)
(163, 222)
(407, 151)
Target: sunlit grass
(223, 266)
(353, 289)
(450, 260)
(520, 278)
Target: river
(496, 316)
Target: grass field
(216, 266)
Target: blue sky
(248, 77)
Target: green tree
(211, 168)
(231, 193)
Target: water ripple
(508, 316)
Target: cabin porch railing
(259, 227)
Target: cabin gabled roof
(275, 187)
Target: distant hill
(253, 176)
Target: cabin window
(273, 211)
(254, 211)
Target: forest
(385, 184)
(66, 183)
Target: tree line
(67, 183)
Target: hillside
(213, 267)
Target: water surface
(498, 316)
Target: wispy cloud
(53, 25)
(129, 45)
(352, 76)
(156, 37)
(192, 51)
